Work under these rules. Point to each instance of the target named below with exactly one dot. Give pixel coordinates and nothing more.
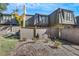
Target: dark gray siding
(53, 17)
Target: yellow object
(21, 19)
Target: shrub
(57, 43)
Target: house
(7, 19)
(62, 17)
(77, 19)
(41, 20)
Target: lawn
(7, 45)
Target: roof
(61, 9)
(29, 15)
(42, 14)
(7, 14)
(65, 10)
(10, 15)
(77, 16)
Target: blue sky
(42, 8)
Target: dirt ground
(32, 48)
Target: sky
(42, 8)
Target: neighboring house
(77, 18)
(41, 20)
(7, 19)
(38, 20)
(62, 16)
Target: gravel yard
(43, 49)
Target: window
(67, 16)
(40, 19)
(35, 19)
(46, 20)
(43, 19)
(72, 17)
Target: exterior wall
(71, 35)
(53, 18)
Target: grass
(7, 45)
